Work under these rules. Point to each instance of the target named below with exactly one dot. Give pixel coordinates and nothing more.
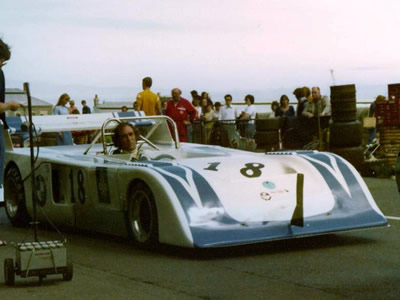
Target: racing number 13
(250, 170)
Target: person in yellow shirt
(148, 101)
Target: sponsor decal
(269, 185)
(265, 196)
(103, 190)
(280, 191)
(41, 191)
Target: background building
(39, 107)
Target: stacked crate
(345, 130)
(388, 122)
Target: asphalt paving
(361, 264)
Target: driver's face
(127, 139)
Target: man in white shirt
(249, 114)
(228, 112)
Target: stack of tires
(267, 135)
(345, 130)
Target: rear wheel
(142, 216)
(14, 198)
(9, 275)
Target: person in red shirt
(181, 111)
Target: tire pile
(267, 135)
(345, 130)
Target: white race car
(183, 194)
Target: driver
(125, 138)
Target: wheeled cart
(38, 259)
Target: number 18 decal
(251, 169)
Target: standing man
(249, 114)
(228, 112)
(148, 101)
(181, 111)
(5, 55)
(85, 108)
(319, 106)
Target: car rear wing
(58, 123)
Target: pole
(33, 178)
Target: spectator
(371, 113)
(209, 119)
(5, 55)
(284, 110)
(124, 108)
(203, 104)
(301, 101)
(210, 114)
(163, 106)
(79, 137)
(249, 114)
(181, 111)
(217, 110)
(319, 106)
(228, 112)
(206, 95)
(72, 106)
(197, 106)
(195, 96)
(64, 137)
(135, 106)
(125, 138)
(85, 108)
(274, 107)
(148, 101)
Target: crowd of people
(202, 109)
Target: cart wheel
(9, 274)
(41, 279)
(69, 272)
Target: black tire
(343, 89)
(343, 107)
(338, 99)
(266, 137)
(9, 272)
(269, 124)
(354, 155)
(141, 216)
(14, 198)
(69, 272)
(346, 134)
(348, 116)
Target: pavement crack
(142, 281)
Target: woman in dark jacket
(284, 110)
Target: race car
(182, 194)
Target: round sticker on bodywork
(265, 196)
(269, 185)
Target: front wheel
(14, 198)
(142, 216)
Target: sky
(265, 48)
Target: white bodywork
(205, 195)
